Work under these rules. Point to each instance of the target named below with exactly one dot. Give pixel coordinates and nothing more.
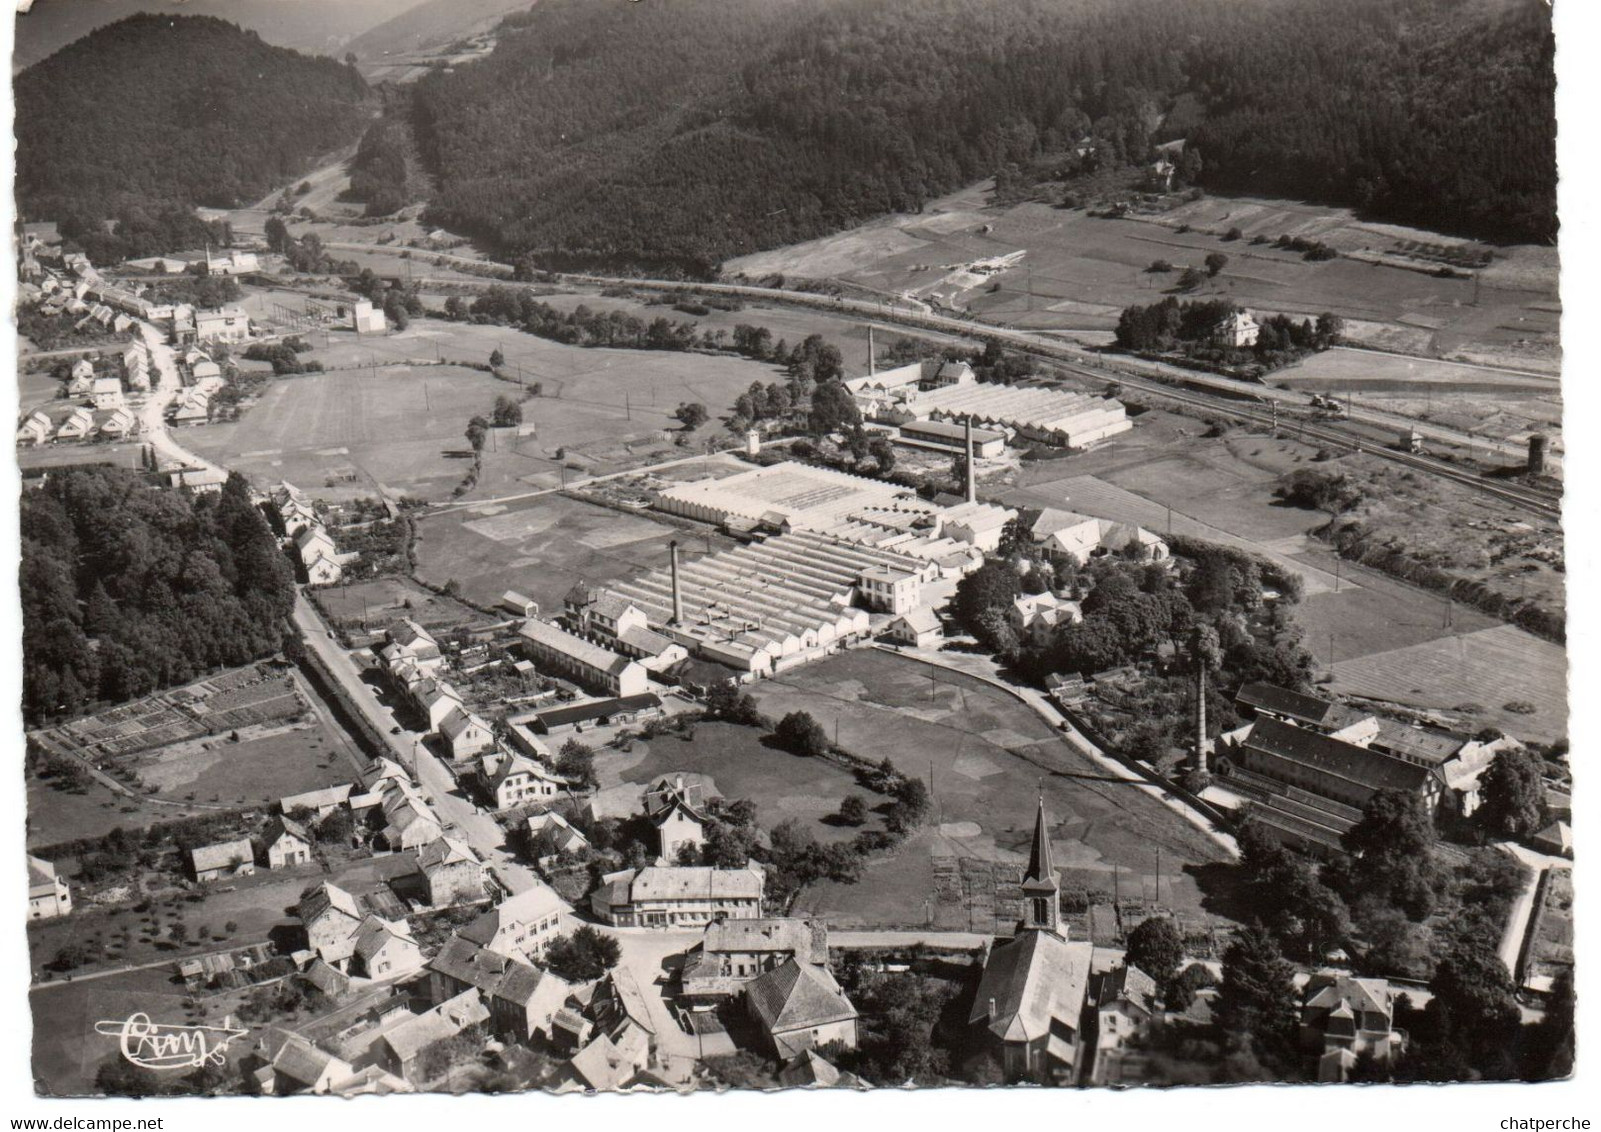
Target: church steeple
(1042, 910)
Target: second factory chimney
(972, 478)
(678, 593)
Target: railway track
(1227, 396)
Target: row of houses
(82, 423)
(414, 661)
(314, 547)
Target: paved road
(407, 748)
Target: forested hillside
(128, 588)
(674, 134)
(143, 119)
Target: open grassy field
(67, 1052)
(390, 418)
(384, 601)
(1079, 271)
(989, 758)
(542, 546)
(740, 762)
(1492, 668)
(55, 816)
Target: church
(1030, 1003)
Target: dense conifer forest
(128, 588)
(141, 120)
(671, 135)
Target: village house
(452, 872)
(1343, 1018)
(522, 999)
(409, 821)
(286, 843)
(812, 1071)
(677, 896)
(920, 628)
(399, 1049)
(78, 425)
(106, 392)
(465, 733)
(295, 1065)
(330, 916)
(1030, 999)
(521, 926)
(550, 836)
(800, 1006)
(676, 811)
(410, 641)
(383, 949)
(119, 425)
(733, 952)
(1237, 330)
(222, 861)
(1125, 1001)
(35, 429)
(1040, 616)
(48, 895)
(509, 780)
(366, 318)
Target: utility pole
(1331, 652)
(1159, 874)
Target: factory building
(1048, 416)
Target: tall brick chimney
(972, 477)
(678, 594)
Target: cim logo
(154, 1045)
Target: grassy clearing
(989, 758)
(1491, 668)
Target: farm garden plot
(240, 697)
(989, 758)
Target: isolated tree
(496, 358)
(477, 432)
(1215, 263)
(508, 413)
(1156, 947)
(691, 414)
(800, 733)
(1191, 279)
(1513, 795)
(277, 233)
(883, 453)
(576, 763)
(585, 955)
(853, 810)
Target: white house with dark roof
(919, 628)
(286, 843)
(522, 926)
(465, 733)
(48, 895)
(452, 872)
(384, 949)
(674, 808)
(511, 780)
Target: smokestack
(1203, 746)
(1537, 450)
(678, 594)
(972, 478)
(872, 354)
